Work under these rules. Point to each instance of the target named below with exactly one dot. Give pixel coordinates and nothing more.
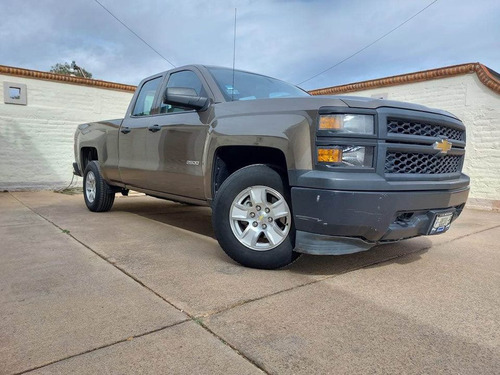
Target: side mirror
(185, 97)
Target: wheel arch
(88, 154)
(229, 159)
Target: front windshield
(249, 86)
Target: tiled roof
(20, 72)
(487, 76)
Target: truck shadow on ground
(199, 220)
(400, 253)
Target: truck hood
(371, 103)
(313, 103)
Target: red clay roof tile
(484, 74)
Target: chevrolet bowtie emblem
(443, 146)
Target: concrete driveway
(145, 288)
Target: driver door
(174, 147)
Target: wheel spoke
(239, 212)
(279, 209)
(250, 236)
(274, 234)
(258, 195)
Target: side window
(185, 78)
(146, 97)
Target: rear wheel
(98, 195)
(253, 220)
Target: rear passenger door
(175, 147)
(132, 138)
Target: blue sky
(290, 40)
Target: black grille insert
(410, 127)
(417, 163)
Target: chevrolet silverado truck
(284, 172)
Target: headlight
(358, 124)
(346, 156)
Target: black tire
(253, 178)
(98, 195)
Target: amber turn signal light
(329, 155)
(330, 122)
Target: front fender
(289, 133)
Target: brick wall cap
(48, 76)
(484, 74)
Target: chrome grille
(410, 127)
(417, 163)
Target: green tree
(70, 70)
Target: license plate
(441, 223)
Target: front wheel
(98, 195)
(252, 218)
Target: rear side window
(184, 78)
(146, 97)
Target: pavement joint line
(197, 320)
(236, 350)
(327, 277)
(190, 316)
(472, 234)
(130, 338)
(201, 323)
(106, 260)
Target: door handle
(154, 128)
(125, 130)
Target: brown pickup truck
(284, 172)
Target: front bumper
(342, 222)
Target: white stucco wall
(479, 108)
(36, 140)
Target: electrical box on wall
(15, 93)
